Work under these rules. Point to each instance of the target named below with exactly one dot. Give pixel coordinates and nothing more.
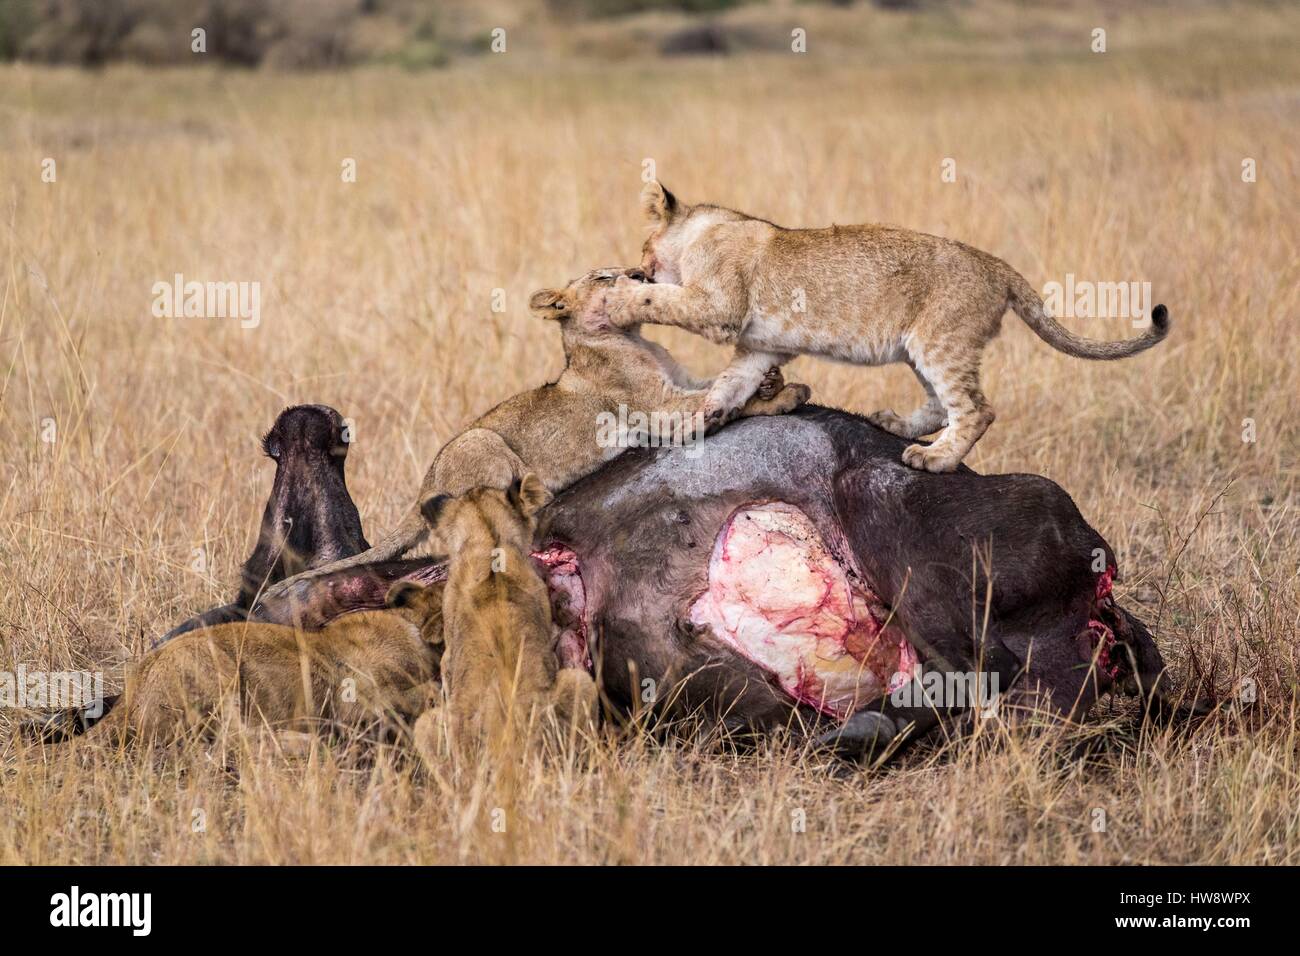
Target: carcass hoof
(866, 733)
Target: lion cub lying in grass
(368, 665)
(868, 295)
(499, 667)
(552, 431)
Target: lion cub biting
(552, 431)
(868, 295)
(500, 668)
(366, 665)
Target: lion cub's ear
(529, 495)
(431, 509)
(423, 601)
(403, 594)
(549, 304)
(658, 204)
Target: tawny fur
(500, 667)
(377, 665)
(868, 295)
(552, 431)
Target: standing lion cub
(868, 295)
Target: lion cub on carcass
(552, 431)
(868, 295)
(500, 668)
(367, 665)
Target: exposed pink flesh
(777, 596)
(559, 569)
(1099, 638)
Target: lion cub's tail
(1026, 303)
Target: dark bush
(617, 8)
(87, 32)
(706, 39)
(17, 21)
(296, 34)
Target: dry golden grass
(513, 173)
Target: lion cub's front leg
(737, 384)
(772, 397)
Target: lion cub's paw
(924, 458)
(787, 400)
(791, 397)
(628, 304)
(715, 416)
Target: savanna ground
(514, 173)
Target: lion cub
(552, 431)
(868, 295)
(380, 664)
(499, 668)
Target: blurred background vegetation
(419, 34)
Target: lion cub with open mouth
(869, 295)
(500, 668)
(366, 666)
(553, 431)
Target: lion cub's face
(485, 519)
(581, 307)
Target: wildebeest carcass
(786, 572)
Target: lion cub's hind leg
(926, 420)
(955, 376)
